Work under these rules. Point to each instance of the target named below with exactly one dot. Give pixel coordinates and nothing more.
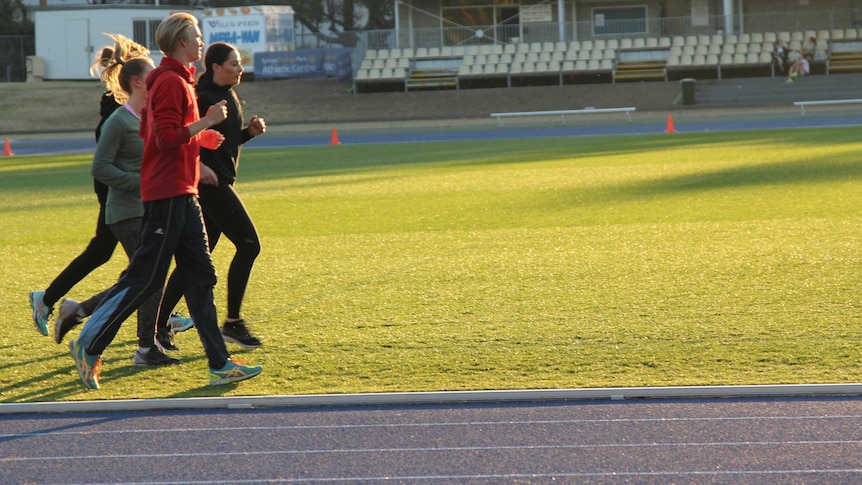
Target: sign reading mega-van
(256, 29)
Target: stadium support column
(398, 28)
(397, 22)
(561, 19)
(728, 17)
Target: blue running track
(60, 145)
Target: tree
(331, 20)
(15, 18)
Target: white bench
(803, 104)
(563, 113)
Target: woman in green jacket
(117, 164)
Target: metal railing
(15, 49)
(611, 29)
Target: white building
(68, 38)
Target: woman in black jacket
(223, 210)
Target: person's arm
(215, 115)
(205, 99)
(104, 170)
(257, 126)
(168, 101)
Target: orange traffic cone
(7, 150)
(670, 128)
(334, 140)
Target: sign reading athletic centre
(304, 63)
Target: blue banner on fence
(304, 63)
(338, 65)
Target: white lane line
(416, 478)
(228, 429)
(236, 453)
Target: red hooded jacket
(170, 166)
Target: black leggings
(97, 253)
(129, 232)
(224, 213)
(173, 228)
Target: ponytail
(120, 63)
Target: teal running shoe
(41, 311)
(233, 372)
(89, 366)
(165, 335)
(179, 323)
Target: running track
(814, 439)
(85, 144)
(754, 440)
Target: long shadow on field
(803, 173)
(278, 163)
(783, 173)
(351, 160)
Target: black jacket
(224, 160)
(107, 105)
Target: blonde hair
(172, 29)
(117, 64)
(118, 76)
(123, 49)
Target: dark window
(619, 20)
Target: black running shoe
(236, 332)
(154, 357)
(165, 340)
(67, 319)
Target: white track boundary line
(409, 398)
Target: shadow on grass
(321, 162)
(779, 173)
(38, 392)
(114, 369)
(289, 163)
(207, 390)
(782, 173)
(324, 161)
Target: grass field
(686, 259)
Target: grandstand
(599, 60)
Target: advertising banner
(250, 29)
(338, 64)
(304, 63)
